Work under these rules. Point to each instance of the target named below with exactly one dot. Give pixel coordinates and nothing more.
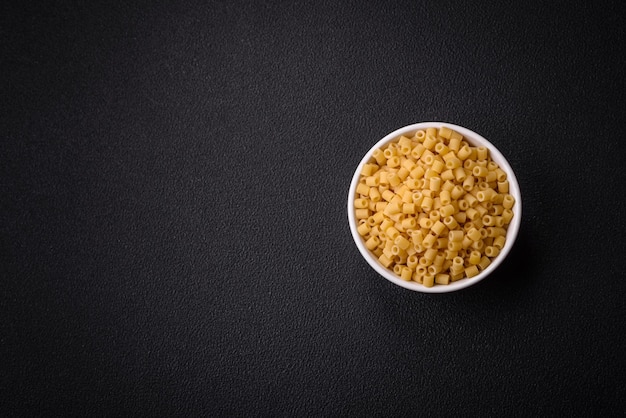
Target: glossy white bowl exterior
(474, 139)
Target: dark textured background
(174, 238)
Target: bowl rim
(474, 139)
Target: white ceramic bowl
(474, 139)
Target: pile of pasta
(433, 208)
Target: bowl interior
(475, 140)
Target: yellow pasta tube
(372, 181)
(428, 280)
(447, 175)
(508, 201)
(455, 236)
(372, 243)
(469, 164)
(379, 156)
(426, 223)
(449, 255)
(429, 241)
(385, 261)
(430, 173)
(450, 222)
(464, 153)
(492, 251)
(471, 200)
(390, 151)
(479, 171)
(427, 203)
(482, 210)
(363, 189)
(408, 163)
(369, 169)
(374, 195)
(445, 197)
(396, 200)
(402, 242)
(394, 180)
(397, 269)
(409, 208)
(441, 148)
(474, 257)
(467, 242)
(461, 217)
(472, 214)
(409, 223)
(407, 196)
(405, 144)
(392, 232)
(427, 157)
(375, 219)
(474, 234)
(496, 210)
(364, 229)
(455, 245)
(457, 192)
(447, 210)
(362, 213)
(435, 184)
(417, 198)
(433, 269)
(430, 141)
(417, 151)
(485, 195)
(430, 254)
(388, 195)
(468, 183)
(438, 228)
(438, 166)
(507, 215)
(442, 278)
(471, 271)
(386, 224)
(455, 143)
(402, 173)
(392, 208)
(500, 175)
(494, 231)
(382, 176)
(417, 172)
(411, 262)
(478, 245)
(397, 251)
(424, 262)
(445, 132)
(459, 174)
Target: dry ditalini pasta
(433, 208)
